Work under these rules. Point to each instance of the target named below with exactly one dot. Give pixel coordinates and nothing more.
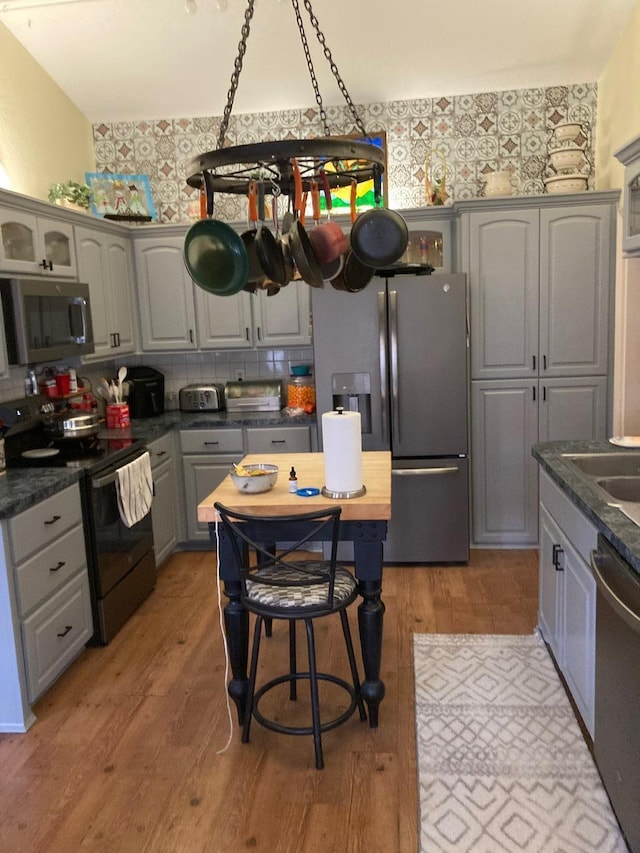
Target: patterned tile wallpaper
(476, 134)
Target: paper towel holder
(341, 496)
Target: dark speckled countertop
(21, 488)
(623, 534)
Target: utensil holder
(117, 415)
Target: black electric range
(120, 558)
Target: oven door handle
(101, 482)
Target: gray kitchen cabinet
(629, 156)
(165, 518)
(504, 427)
(254, 320)
(540, 278)
(176, 314)
(567, 593)
(207, 455)
(51, 607)
(540, 288)
(165, 295)
(35, 244)
(509, 416)
(105, 264)
(278, 440)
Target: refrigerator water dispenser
(352, 391)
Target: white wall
(44, 138)
(618, 122)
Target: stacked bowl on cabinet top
(568, 164)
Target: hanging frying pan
(354, 276)
(380, 236)
(301, 247)
(268, 248)
(255, 276)
(214, 254)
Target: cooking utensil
(255, 276)
(122, 375)
(301, 247)
(214, 254)
(354, 276)
(72, 426)
(379, 237)
(268, 248)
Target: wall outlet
(239, 375)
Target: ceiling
(121, 60)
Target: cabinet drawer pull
(161, 453)
(58, 567)
(278, 441)
(54, 519)
(67, 628)
(211, 442)
(556, 553)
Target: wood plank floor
(126, 753)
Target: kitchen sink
(621, 488)
(614, 476)
(606, 464)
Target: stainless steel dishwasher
(617, 733)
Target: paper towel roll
(342, 442)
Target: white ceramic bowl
(567, 159)
(566, 184)
(254, 483)
(567, 130)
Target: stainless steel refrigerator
(397, 352)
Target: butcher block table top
(374, 505)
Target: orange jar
(301, 393)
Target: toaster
(202, 398)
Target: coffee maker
(146, 392)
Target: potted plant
(70, 194)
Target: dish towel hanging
(134, 487)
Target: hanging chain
(334, 68)
(312, 73)
(237, 68)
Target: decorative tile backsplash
(474, 135)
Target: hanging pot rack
(231, 168)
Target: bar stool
(284, 587)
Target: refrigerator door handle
(393, 338)
(431, 472)
(382, 330)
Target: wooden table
(363, 522)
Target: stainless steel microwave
(45, 319)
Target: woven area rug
(502, 763)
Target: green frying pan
(214, 254)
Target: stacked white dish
(568, 162)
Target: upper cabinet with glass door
(629, 156)
(430, 238)
(36, 244)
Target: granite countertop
(149, 429)
(623, 534)
(21, 488)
